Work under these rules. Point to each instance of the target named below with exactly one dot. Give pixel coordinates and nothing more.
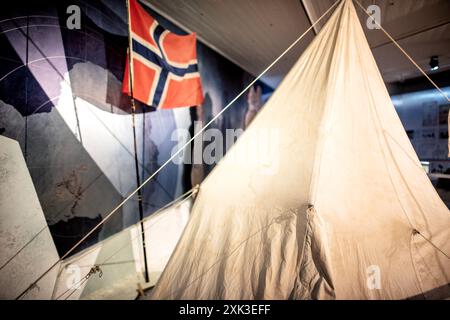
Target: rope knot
(94, 270)
(196, 189)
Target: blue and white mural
(60, 97)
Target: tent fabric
(337, 219)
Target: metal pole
(26, 97)
(136, 162)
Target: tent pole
(136, 162)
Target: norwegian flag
(164, 65)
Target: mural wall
(60, 97)
(424, 115)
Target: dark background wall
(60, 97)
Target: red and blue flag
(164, 64)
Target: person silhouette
(254, 101)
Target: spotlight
(434, 63)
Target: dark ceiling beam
(442, 79)
(427, 18)
(302, 3)
(412, 34)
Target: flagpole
(26, 97)
(133, 117)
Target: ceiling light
(434, 63)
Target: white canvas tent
(348, 214)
